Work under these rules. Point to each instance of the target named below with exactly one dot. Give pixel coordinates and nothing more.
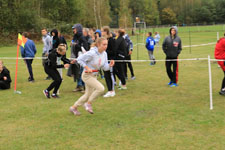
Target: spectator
(220, 54)
(150, 44)
(5, 78)
(47, 41)
(28, 53)
(172, 48)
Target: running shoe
(173, 85)
(122, 87)
(133, 78)
(222, 92)
(110, 94)
(46, 93)
(54, 95)
(170, 83)
(74, 111)
(88, 108)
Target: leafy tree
(168, 16)
(151, 13)
(124, 14)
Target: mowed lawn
(149, 115)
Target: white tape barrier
(159, 60)
(190, 59)
(212, 43)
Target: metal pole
(218, 36)
(137, 45)
(210, 84)
(189, 41)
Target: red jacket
(220, 49)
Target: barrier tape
(159, 60)
(212, 43)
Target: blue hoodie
(150, 43)
(29, 49)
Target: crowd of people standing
(95, 52)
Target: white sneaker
(110, 94)
(133, 78)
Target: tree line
(32, 15)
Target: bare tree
(95, 13)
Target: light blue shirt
(157, 38)
(47, 40)
(94, 60)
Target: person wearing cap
(78, 44)
(98, 34)
(172, 48)
(220, 54)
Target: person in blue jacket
(150, 45)
(28, 53)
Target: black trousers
(172, 73)
(57, 80)
(109, 79)
(4, 85)
(130, 66)
(223, 82)
(119, 71)
(29, 67)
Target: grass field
(149, 115)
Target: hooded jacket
(78, 40)
(5, 73)
(121, 48)
(172, 46)
(55, 40)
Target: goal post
(140, 26)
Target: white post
(210, 83)
(218, 36)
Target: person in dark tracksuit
(51, 69)
(5, 78)
(28, 52)
(55, 38)
(79, 42)
(121, 53)
(172, 48)
(47, 41)
(109, 77)
(128, 57)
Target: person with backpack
(150, 44)
(128, 57)
(121, 53)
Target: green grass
(148, 116)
